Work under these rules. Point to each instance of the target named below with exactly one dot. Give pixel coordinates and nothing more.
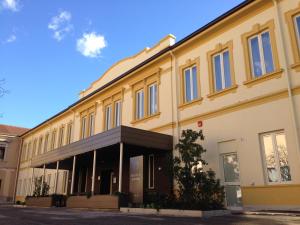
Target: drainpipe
(17, 172)
(174, 89)
(287, 73)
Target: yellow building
(237, 78)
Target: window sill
(276, 74)
(296, 66)
(225, 91)
(146, 118)
(192, 103)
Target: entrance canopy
(121, 134)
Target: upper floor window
(91, 124)
(69, 133)
(261, 55)
(61, 136)
(139, 104)
(117, 113)
(34, 150)
(152, 93)
(2, 151)
(29, 151)
(46, 143)
(276, 157)
(190, 84)
(83, 127)
(222, 72)
(53, 141)
(24, 149)
(293, 22)
(40, 145)
(108, 117)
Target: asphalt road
(62, 216)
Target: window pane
(270, 159)
(283, 157)
(227, 72)
(117, 114)
(151, 171)
(255, 56)
(140, 104)
(195, 83)
(153, 99)
(217, 72)
(187, 77)
(298, 28)
(108, 118)
(233, 195)
(231, 168)
(2, 151)
(267, 52)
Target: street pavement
(10, 215)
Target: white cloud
(60, 25)
(91, 44)
(12, 5)
(11, 38)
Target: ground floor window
(0, 184)
(276, 157)
(2, 152)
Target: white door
(233, 191)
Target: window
(64, 183)
(297, 27)
(34, 150)
(190, 84)
(276, 157)
(83, 127)
(108, 117)
(69, 134)
(24, 149)
(139, 104)
(61, 136)
(46, 143)
(40, 145)
(53, 140)
(261, 54)
(152, 93)
(293, 22)
(28, 151)
(2, 151)
(91, 124)
(49, 179)
(117, 113)
(151, 171)
(222, 70)
(0, 184)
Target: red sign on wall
(200, 123)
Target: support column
(121, 167)
(73, 174)
(56, 177)
(94, 171)
(43, 178)
(32, 182)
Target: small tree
(198, 189)
(38, 184)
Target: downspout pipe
(287, 73)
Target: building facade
(237, 78)
(10, 144)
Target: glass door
(231, 171)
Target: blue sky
(51, 50)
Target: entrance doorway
(231, 171)
(105, 182)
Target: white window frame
(222, 68)
(297, 29)
(91, 124)
(149, 172)
(277, 166)
(139, 106)
(108, 110)
(118, 113)
(261, 52)
(154, 98)
(191, 84)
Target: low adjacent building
(9, 152)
